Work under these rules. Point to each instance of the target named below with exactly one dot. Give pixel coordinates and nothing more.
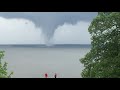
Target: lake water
(34, 61)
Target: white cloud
(72, 34)
(23, 31)
(19, 31)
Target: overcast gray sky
(45, 27)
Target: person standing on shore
(46, 75)
(55, 75)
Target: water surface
(33, 61)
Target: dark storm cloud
(49, 21)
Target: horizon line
(45, 44)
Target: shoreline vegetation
(3, 67)
(103, 60)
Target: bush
(3, 67)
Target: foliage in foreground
(3, 67)
(103, 60)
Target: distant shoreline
(39, 44)
(45, 46)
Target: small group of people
(46, 75)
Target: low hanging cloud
(23, 31)
(49, 21)
(72, 34)
(19, 31)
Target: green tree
(3, 67)
(103, 60)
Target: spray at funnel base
(48, 40)
(49, 43)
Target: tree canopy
(103, 60)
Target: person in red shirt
(46, 75)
